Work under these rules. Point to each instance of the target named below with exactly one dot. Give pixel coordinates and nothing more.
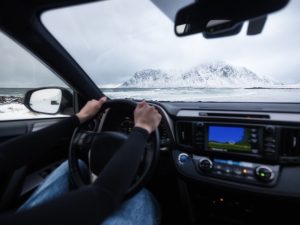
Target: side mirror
(50, 100)
(219, 18)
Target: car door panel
(11, 129)
(35, 172)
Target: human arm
(92, 204)
(22, 150)
(146, 120)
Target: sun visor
(171, 7)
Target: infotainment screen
(229, 139)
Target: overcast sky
(113, 39)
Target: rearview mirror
(218, 18)
(48, 100)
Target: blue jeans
(140, 209)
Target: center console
(240, 171)
(237, 152)
(254, 141)
(240, 150)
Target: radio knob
(183, 158)
(264, 173)
(205, 164)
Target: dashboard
(250, 146)
(121, 120)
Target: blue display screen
(225, 138)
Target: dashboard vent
(232, 115)
(290, 142)
(185, 132)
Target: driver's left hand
(90, 109)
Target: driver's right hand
(146, 116)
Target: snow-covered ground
(16, 111)
(208, 94)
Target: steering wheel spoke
(83, 138)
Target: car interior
(209, 162)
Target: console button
(205, 164)
(264, 173)
(227, 170)
(269, 140)
(218, 167)
(237, 171)
(270, 150)
(245, 171)
(254, 135)
(183, 157)
(270, 145)
(218, 172)
(254, 140)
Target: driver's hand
(90, 109)
(146, 116)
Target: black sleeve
(21, 150)
(91, 204)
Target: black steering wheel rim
(151, 159)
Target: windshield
(131, 51)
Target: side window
(19, 72)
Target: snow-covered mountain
(149, 78)
(212, 75)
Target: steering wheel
(97, 148)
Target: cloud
(112, 40)
(21, 69)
